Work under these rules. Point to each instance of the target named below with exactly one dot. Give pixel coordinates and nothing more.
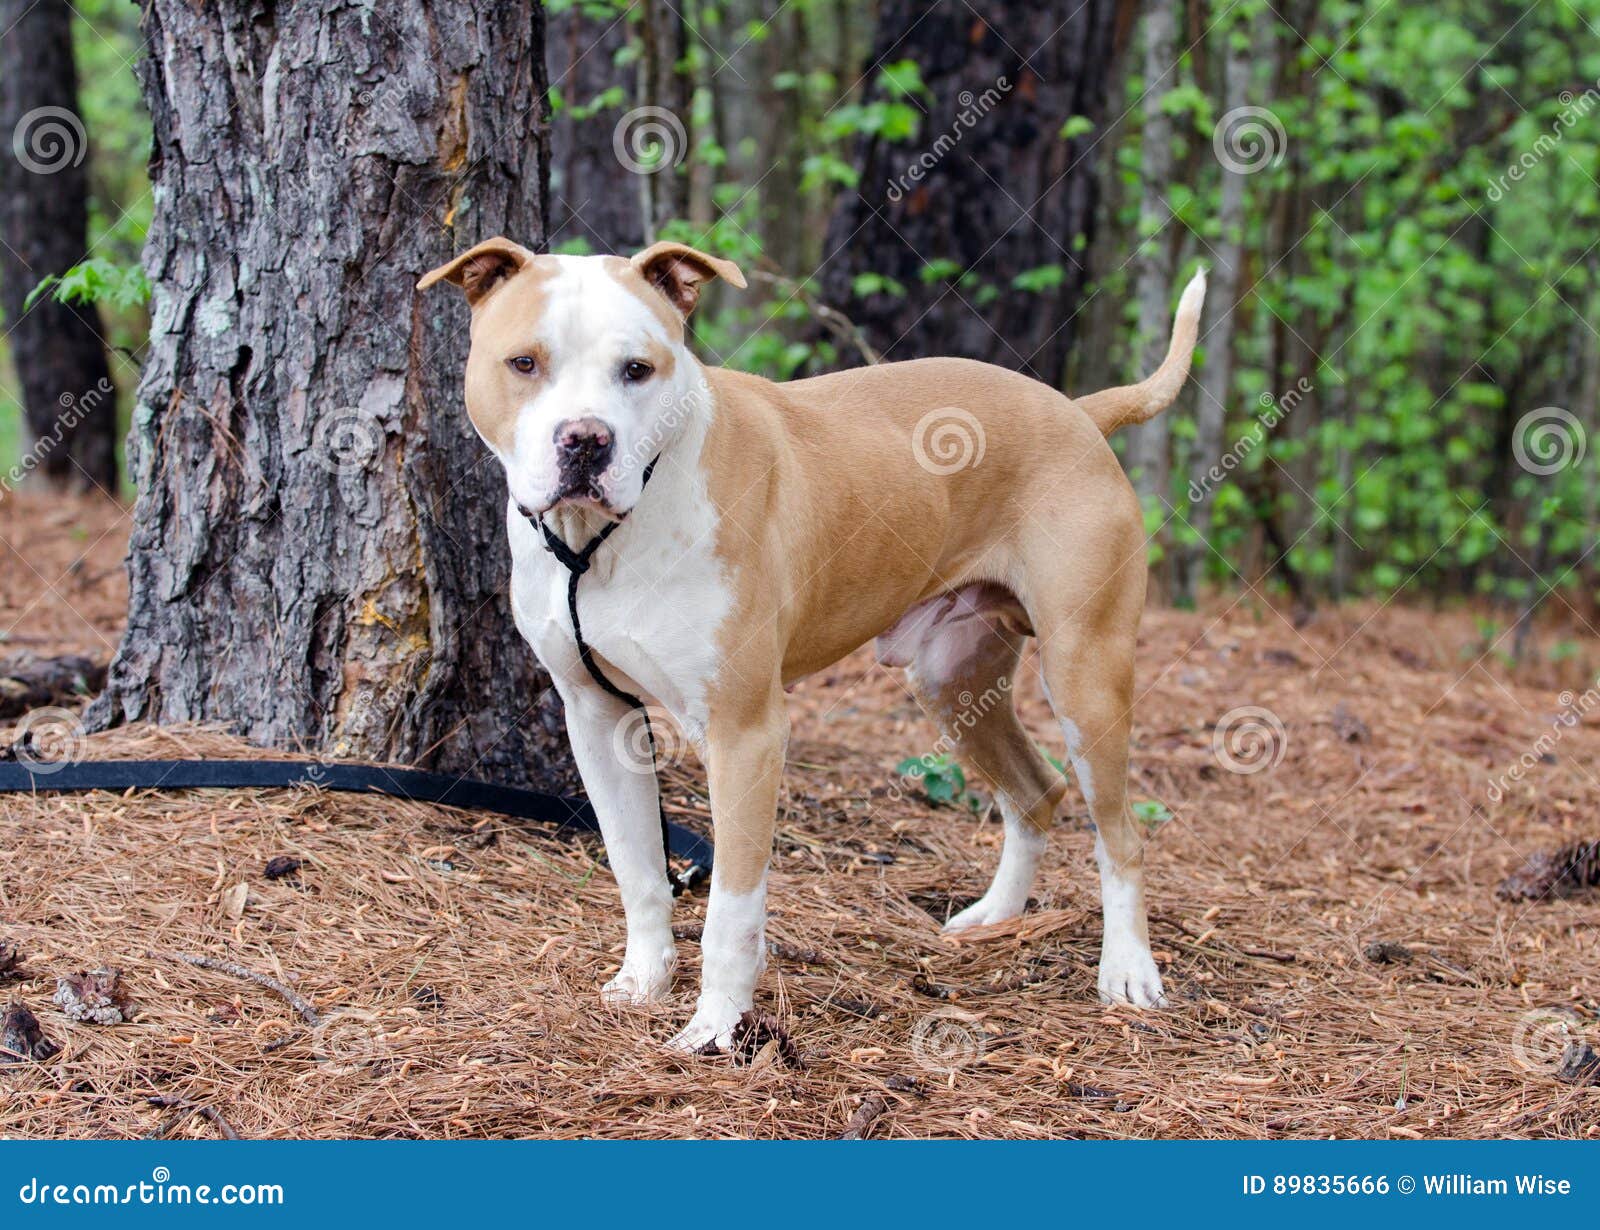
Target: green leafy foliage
(943, 781)
(95, 281)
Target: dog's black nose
(583, 445)
(527, 512)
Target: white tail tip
(1194, 294)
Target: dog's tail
(1134, 403)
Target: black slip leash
(577, 563)
(470, 794)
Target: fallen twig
(872, 1106)
(167, 1101)
(293, 998)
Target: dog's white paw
(640, 982)
(711, 1025)
(1128, 975)
(982, 912)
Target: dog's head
(578, 374)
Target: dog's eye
(635, 370)
(525, 364)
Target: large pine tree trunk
(319, 557)
(988, 182)
(67, 396)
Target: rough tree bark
(1217, 327)
(592, 196)
(66, 391)
(318, 557)
(664, 86)
(996, 188)
(1147, 448)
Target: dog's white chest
(652, 605)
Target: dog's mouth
(583, 491)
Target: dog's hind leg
(1089, 680)
(961, 656)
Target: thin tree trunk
(666, 87)
(988, 186)
(68, 399)
(592, 195)
(1217, 329)
(318, 556)
(1147, 448)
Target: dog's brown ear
(479, 270)
(678, 271)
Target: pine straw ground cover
(452, 960)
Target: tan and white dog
(785, 525)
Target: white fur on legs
(733, 950)
(1128, 973)
(1013, 879)
(625, 803)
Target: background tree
(63, 374)
(593, 206)
(1146, 445)
(974, 189)
(317, 552)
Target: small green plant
(1152, 813)
(94, 281)
(944, 781)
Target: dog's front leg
(744, 767)
(624, 798)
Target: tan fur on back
(834, 529)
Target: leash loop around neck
(577, 563)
